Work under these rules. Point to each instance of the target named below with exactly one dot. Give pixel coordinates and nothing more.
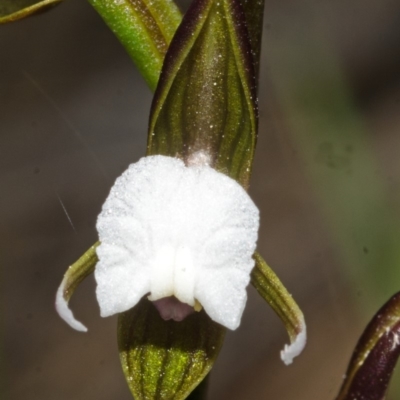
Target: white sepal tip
(291, 351)
(65, 312)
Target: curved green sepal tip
(74, 275)
(13, 10)
(205, 102)
(375, 356)
(145, 28)
(166, 360)
(276, 295)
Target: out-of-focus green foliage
(336, 150)
(335, 147)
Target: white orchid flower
(182, 235)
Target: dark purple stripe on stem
(375, 357)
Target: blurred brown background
(73, 115)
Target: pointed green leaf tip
(375, 356)
(204, 108)
(12, 10)
(166, 360)
(276, 295)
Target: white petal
(223, 296)
(65, 312)
(294, 349)
(167, 229)
(121, 281)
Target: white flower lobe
(171, 230)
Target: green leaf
(74, 275)
(166, 360)
(12, 10)
(145, 28)
(206, 100)
(276, 295)
(375, 356)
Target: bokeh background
(73, 115)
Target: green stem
(145, 28)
